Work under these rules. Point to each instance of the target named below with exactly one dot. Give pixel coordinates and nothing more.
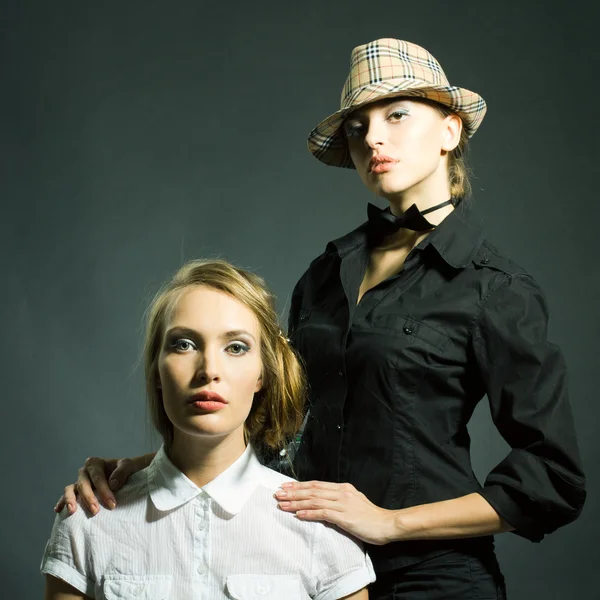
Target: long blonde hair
(277, 409)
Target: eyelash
(243, 346)
(355, 129)
(176, 345)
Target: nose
(375, 134)
(207, 368)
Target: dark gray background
(136, 135)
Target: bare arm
(467, 516)
(104, 476)
(360, 595)
(57, 589)
(344, 506)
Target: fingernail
(70, 507)
(284, 504)
(111, 503)
(281, 493)
(286, 485)
(94, 508)
(113, 484)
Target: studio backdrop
(137, 135)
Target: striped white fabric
(169, 539)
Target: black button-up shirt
(395, 378)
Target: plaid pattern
(384, 69)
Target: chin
(389, 184)
(200, 425)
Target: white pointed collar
(169, 488)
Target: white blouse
(169, 539)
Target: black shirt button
(408, 330)
(338, 427)
(340, 374)
(485, 260)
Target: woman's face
(210, 364)
(399, 145)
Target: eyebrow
(228, 335)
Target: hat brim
(327, 141)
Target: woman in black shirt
(404, 325)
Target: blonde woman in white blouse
(201, 522)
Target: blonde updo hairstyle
(277, 409)
(458, 171)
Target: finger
(60, 504)
(318, 485)
(293, 494)
(311, 505)
(86, 493)
(94, 469)
(322, 514)
(70, 498)
(124, 468)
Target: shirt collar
(169, 488)
(456, 239)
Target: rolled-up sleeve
(340, 566)
(540, 485)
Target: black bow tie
(383, 223)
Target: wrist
(405, 524)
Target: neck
(432, 190)
(425, 195)
(203, 459)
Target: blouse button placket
(201, 536)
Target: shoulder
(331, 254)
(319, 265)
(130, 499)
(490, 257)
(503, 273)
(271, 479)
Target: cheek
(360, 165)
(246, 377)
(358, 153)
(423, 149)
(172, 372)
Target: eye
(353, 129)
(183, 345)
(238, 348)
(397, 115)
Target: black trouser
(452, 576)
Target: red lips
(207, 401)
(381, 163)
(208, 396)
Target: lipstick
(208, 401)
(381, 163)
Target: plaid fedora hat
(384, 69)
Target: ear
(259, 385)
(451, 132)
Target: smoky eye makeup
(352, 127)
(182, 344)
(238, 348)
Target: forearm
(467, 516)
